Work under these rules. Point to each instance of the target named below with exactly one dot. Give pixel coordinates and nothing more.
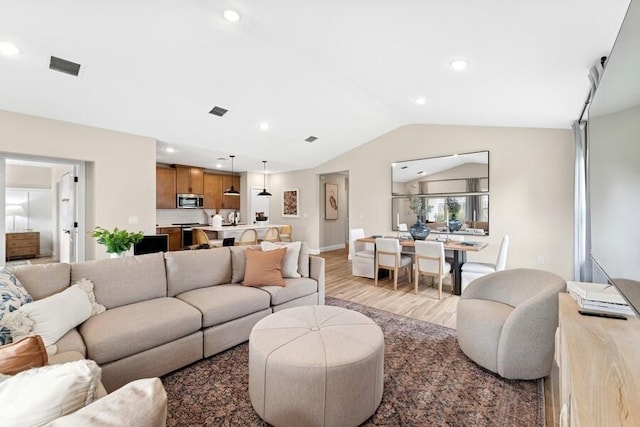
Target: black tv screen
(613, 138)
(152, 243)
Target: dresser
(598, 363)
(23, 245)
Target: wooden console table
(22, 245)
(599, 368)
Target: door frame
(79, 170)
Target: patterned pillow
(12, 296)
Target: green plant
(453, 206)
(418, 206)
(116, 241)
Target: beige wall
(120, 168)
(531, 187)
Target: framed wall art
(291, 203)
(330, 201)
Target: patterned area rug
(427, 381)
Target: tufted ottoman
(316, 366)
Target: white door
(68, 222)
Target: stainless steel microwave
(189, 201)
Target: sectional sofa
(167, 310)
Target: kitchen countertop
(239, 227)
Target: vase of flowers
(419, 231)
(453, 206)
(117, 241)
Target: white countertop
(238, 227)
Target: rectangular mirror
(455, 174)
(474, 213)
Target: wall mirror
(474, 213)
(454, 174)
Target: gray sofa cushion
(219, 304)
(294, 288)
(133, 328)
(43, 280)
(71, 341)
(126, 280)
(187, 270)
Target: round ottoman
(316, 366)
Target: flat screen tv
(152, 243)
(613, 140)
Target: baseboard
(333, 247)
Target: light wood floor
(340, 283)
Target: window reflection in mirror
(474, 213)
(454, 174)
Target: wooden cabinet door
(212, 191)
(175, 237)
(230, 202)
(165, 188)
(189, 180)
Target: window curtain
(581, 240)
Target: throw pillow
(44, 394)
(21, 355)
(264, 268)
(290, 260)
(54, 316)
(12, 296)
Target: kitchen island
(226, 231)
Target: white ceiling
(344, 71)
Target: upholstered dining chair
(248, 237)
(271, 235)
(473, 270)
(389, 257)
(362, 254)
(285, 233)
(430, 261)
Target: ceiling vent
(311, 138)
(218, 111)
(64, 66)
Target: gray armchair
(506, 322)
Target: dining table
(459, 249)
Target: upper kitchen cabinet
(230, 202)
(165, 187)
(212, 191)
(189, 180)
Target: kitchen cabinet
(230, 202)
(175, 237)
(189, 180)
(22, 245)
(212, 191)
(165, 187)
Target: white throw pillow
(54, 316)
(39, 395)
(290, 260)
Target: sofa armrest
(316, 271)
(141, 403)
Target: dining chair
(285, 233)
(473, 270)
(272, 235)
(389, 257)
(362, 254)
(430, 261)
(200, 237)
(248, 237)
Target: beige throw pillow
(264, 268)
(290, 260)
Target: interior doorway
(334, 210)
(39, 197)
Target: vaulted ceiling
(342, 71)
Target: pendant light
(231, 191)
(264, 192)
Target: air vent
(64, 66)
(218, 111)
(311, 138)
(404, 167)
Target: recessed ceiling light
(218, 165)
(8, 49)
(170, 150)
(458, 64)
(421, 100)
(264, 125)
(231, 15)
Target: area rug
(428, 381)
